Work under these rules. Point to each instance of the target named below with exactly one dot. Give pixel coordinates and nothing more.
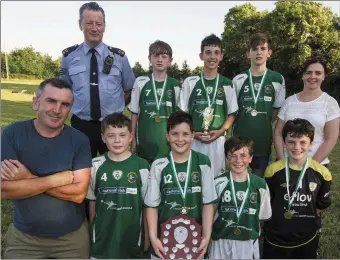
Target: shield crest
(159, 91)
(257, 86)
(181, 176)
(117, 174)
(240, 195)
(312, 186)
(209, 90)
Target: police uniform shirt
(75, 69)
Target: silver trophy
(208, 115)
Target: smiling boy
(244, 200)
(117, 187)
(299, 188)
(184, 170)
(214, 94)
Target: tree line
(298, 29)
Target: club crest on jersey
(312, 186)
(209, 90)
(159, 91)
(181, 176)
(253, 197)
(257, 86)
(268, 89)
(240, 195)
(195, 176)
(117, 174)
(132, 177)
(220, 92)
(170, 93)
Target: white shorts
(234, 249)
(215, 152)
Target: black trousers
(93, 132)
(307, 251)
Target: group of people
(170, 157)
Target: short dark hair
(159, 47)
(259, 39)
(90, 6)
(54, 82)
(211, 40)
(177, 118)
(235, 143)
(297, 128)
(116, 120)
(313, 60)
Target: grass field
(18, 106)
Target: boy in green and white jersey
(154, 97)
(117, 187)
(210, 95)
(244, 200)
(259, 100)
(180, 183)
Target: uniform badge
(257, 86)
(268, 89)
(240, 195)
(195, 176)
(132, 177)
(312, 186)
(253, 197)
(159, 91)
(209, 90)
(181, 176)
(220, 92)
(170, 93)
(117, 174)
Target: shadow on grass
(18, 87)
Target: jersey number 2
(167, 179)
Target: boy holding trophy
(180, 196)
(211, 100)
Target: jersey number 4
(103, 177)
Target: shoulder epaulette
(117, 51)
(68, 50)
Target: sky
(51, 26)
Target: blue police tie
(94, 88)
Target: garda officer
(101, 76)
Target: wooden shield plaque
(181, 237)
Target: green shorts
(72, 245)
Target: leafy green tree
(174, 71)
(298, 30)
(185, 72)
(197, 71)
(138, 70)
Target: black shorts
(259, 162)
(306, 251)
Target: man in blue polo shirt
(45, 170)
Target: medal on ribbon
(237, 231)
(158, 101)
(254, 112)
(288, 214)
